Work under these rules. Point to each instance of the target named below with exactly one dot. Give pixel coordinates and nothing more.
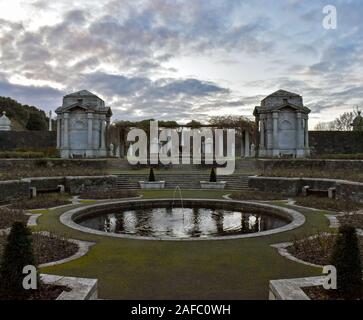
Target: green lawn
(228, 269)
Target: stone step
(184, 181)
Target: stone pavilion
(82, 125)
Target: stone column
(58, 132)
(50, 121)
(262, 134)
(300, 136)
(66, 131)
(107, 132)
(221, 145)
(275, 135)
(262, 144)
(90, 146)
(242, 144)
(103, 134)
(247, 144)
(298, 131)
(90, 130)
(306, 133)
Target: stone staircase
(184, 181)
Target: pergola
(244, 142)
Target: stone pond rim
(68, 218)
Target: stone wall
(333, 142)
(13, 190)
(347, 190)
(75, 185)
(286, 186)
(325, 165)
(20, 189)
(12, 140)
(293, 186)
(46, 183)
(52, 163)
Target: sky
(182, 59)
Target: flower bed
(43, 201)
(9, 216)
(317, 249)
(44, 292)
(328, 204)
(319, 293)
(353, 174)
(355, 220)
(48, 248)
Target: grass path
(228, 269)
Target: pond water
(183, 222)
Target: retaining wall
(20, 189)
(309, 164)
(75, 185)
(13, 190)
(293, 186)
(12, 140)
(52, 163)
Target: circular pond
(165, 219)
(182, 222)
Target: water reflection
(183, 223)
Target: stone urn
(219, 185)
(152, 184)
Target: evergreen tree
(18, 253)
(213, 176)
(36, 122)
(152, 175)
(346, 259)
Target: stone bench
(34, 191)
(329, 193)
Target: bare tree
(235, 122)
(342, 123)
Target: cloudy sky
(182, 59)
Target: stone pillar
(300, 136)
(221, 145)
(298, 131)
(117, 152)
(307, 133)
(89, 151)
(58, 132)
(50, 121)
(275, 135)
(307, 146)
(262, 143)
(66, 131)
(122, 149)
(242, 144)
(103, 134)
(107, 132)
(262, 134)
(247, 144)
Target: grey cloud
(46, 98)
(137, 38)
